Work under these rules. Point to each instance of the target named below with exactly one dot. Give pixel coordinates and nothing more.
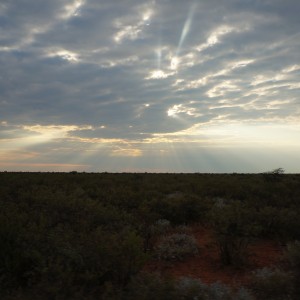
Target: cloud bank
(131, 85)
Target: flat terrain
(99, 235)
(207, 267)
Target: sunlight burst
(174, 63)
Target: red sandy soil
(207, 266)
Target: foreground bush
(189, 288)
(152, 286)
(68, 250)
(272, 284)
(293, 256)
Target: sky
(150, 86)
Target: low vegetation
(89, 236)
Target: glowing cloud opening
(72, 9)
(64, 54)
(174, 63)
(159, 74)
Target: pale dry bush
(176, 247)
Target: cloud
(127, 152)
(132, 29)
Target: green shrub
(180, 208)
(234, 227)
(268, 218)
(152, 232)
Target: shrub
(183, 229)
(268, 218)
(273, 284)
(160, 227)
(289, 223)
(176, 247)
(152, 286)
(293, 256)
(151, 233)
(190, 288)
(219, 291)
(149, 287)
(181, 208)
(234, 227)
(243, 294)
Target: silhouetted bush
(274, 175)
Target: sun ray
(158, 52)
(186, 27)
